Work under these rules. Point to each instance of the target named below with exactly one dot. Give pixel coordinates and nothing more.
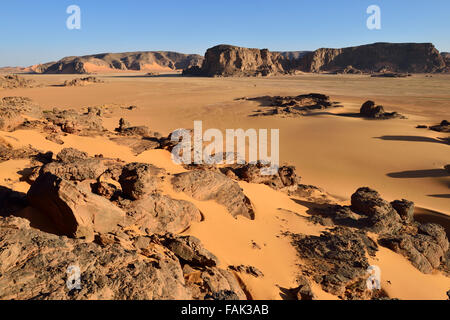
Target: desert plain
(333, 149)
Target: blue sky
(35, 31)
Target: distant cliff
(395, 57)
(226, 60)
(135, 61)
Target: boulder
(140, 179)
(208, 185)
(381, 214)
(213, 284)
(405, 209)
(74, 211)
(161, 214)
(190, 250)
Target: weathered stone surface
(34, 266)
(71, 155)
(207, 185)
(226, 60)
(426, 250)
(74, 211)
(293, 105)
(405, 209)
(393, 57)
(381, 214)
(15, 81)
(213, 283)
(13, 111)
(285, 177)
(190, 250)
(250, 270)
(70, 121)
(337, 260)
(140, 179)
(80, 82)
(161, 214)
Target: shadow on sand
(411, 174)
(414, 139)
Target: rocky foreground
(117, 222)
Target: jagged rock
(213, 283)
(13, 111)
(74, 211)
(251, 173)
(426, 249)
(400, 57)
(337, 260)
(140, 179)
(251, 270)
(71, 155)
(294, 105)
(370, 110)
(161, 214)
(207, 185)
(190, 250)
(444, 126)
(381, 214)
(80, 82)
(405, 209)
(70, 121)
(34, 266)
(7, 152)
(79, 170)
(15, 81)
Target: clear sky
(35, 31)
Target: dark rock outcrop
(444, 126)
(15, 81)
(337, 260)
(426, 249)
(395, 57)
(370, 110)
(294, 105)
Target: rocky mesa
(227, 60)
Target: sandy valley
(333, 149)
